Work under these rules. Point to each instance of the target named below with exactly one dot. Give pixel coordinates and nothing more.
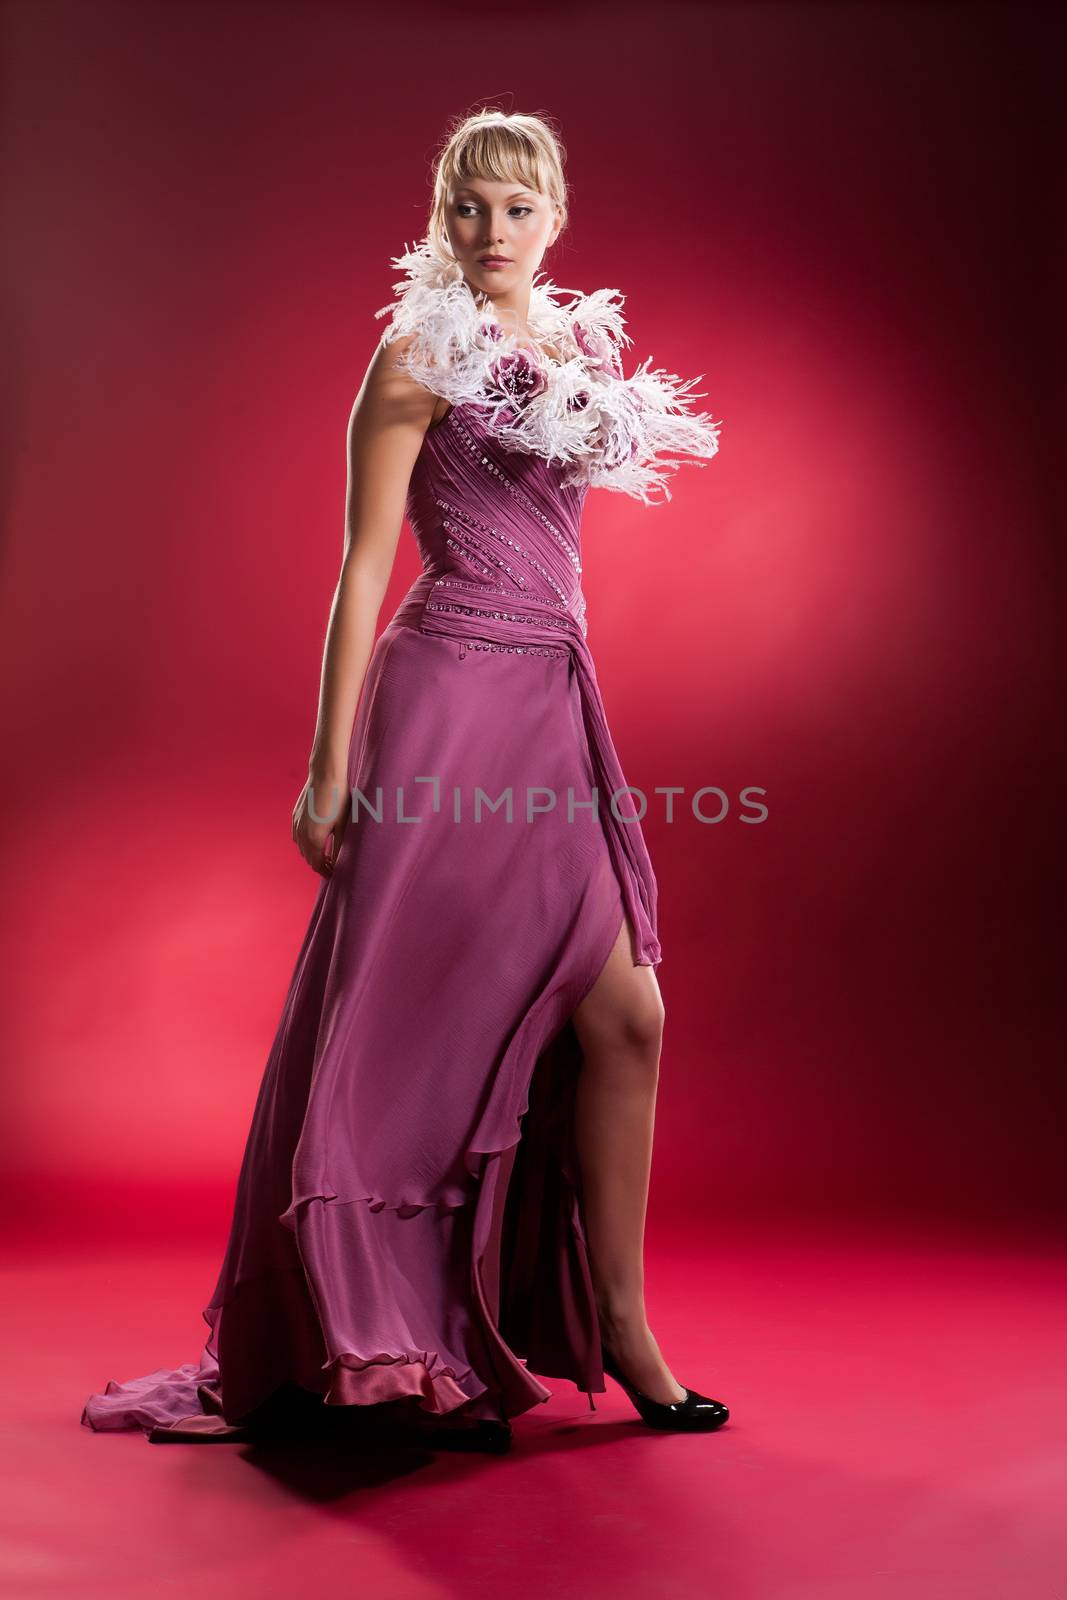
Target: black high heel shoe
(695, 1414)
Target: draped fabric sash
(463, 610)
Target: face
(485, 218)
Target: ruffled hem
(384, 1378)
(354, 1381)
(186, 1401)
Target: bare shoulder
(387, 356)
(388, 395)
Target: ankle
(619, 1318)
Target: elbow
(365, 577)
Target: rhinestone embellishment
(503, 616)
(474, 550)
(472, 521)
(483, 589)
(515, 649)
(513, 489)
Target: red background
(839, 216)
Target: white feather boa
(611, 432)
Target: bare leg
(620, 1027)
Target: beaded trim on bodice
(513, 489)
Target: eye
(467, 205)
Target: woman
(448, 1163)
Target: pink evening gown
(407, 1228)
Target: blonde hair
(499, 147)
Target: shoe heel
(697, 1413)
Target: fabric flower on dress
(608, 431)
(517, 374)
(601, 353)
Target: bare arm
(385, 433)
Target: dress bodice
(495, 523)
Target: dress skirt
(407, 1225)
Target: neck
(511, 309)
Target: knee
(634, 1032)
(648, 1030)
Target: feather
(607, 431)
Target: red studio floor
(897, 1430)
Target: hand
(322, 812)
